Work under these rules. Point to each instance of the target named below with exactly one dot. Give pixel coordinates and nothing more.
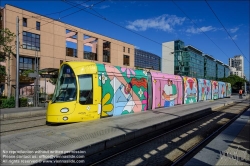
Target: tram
(87, 91)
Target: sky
(217, 28)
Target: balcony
(89, 55)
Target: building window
(128, 50)
(90, 47)
(26, 63)
(126, 60)
(38, 25)
(24, 22)
(106, 51)
(71, 52)
(123, 49)
(31, 41)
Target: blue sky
(147, 24)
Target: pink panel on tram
(167, 90)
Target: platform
(231, 147)
(91, 137)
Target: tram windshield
(66, 86)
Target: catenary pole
(17, 62)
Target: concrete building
(144, 59)
(168, 57)
(54, 42)
(237, 62)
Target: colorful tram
(87, 91)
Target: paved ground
(231, 147)
(94, 136)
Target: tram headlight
(64, 110)
(65, 118)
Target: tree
(235, 81)
(6, 49)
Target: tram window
(86, 89)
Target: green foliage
(6, 42)
(8, 103)
(23, 102)
(235, 81)
(26, 72)
(2, 73)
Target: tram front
(62, 106)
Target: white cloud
(234, 37)
(104, 7)
(233, 30)
(164, 22)
(200, 30)
(137, 47)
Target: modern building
(193, 62)
(144, 59)
(168, 57)
(190, 61)
(209, 67)
(226, 70)
(237, 62)
(182, 60)
(219, 69)
(53, 42)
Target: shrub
(23, 102)
(8, 103)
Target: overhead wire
(100, 16)
(104, 18)
(68, 14)
(199, 28)
(225, 28)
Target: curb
(23, 114)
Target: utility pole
(17, 62)
(36, 94)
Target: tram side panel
(124, 90)
(222, 88)
(228, 90)
(205, 90)
(190, 90)
(215, 90)
(167, 90)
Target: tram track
(10, 126)
(171, 147)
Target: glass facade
(191, 62)
(145, 59)
(220, 70)
(226, 71)
(209, 68)
(188, 61)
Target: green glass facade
(209, 68)
(220, 70)
(226, 71)
(189, 61)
